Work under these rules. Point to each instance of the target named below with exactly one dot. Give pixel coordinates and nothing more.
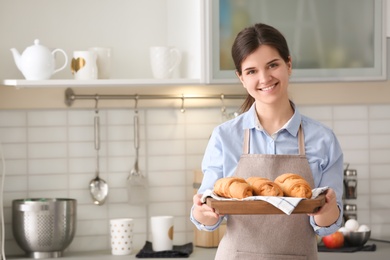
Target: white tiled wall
(51, 154)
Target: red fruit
(335, 240)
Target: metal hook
(96, 104)
(223, 108)
(136, 103)
(182, 104)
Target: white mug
(164, 60)
(121, 231)
(103, 61)
(83, 65)
(162, 233)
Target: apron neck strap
(246, 141)
(301, 141)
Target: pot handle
(66, 60)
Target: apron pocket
(260, 256)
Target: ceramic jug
(37, 62)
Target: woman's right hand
(203, 213)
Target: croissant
(233, 187)
(264, 187)
(293, 185)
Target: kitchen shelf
(20, 83)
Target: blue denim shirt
(322, 149)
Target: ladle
(98, 187)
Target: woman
(279, 140)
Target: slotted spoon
(136, 182)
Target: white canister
(84, 65)
(121, 231)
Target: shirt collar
(292, 126)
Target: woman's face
(265, 75)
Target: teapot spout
(17, 58)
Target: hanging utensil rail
(70, 97)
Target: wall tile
(47, 150)
(85, 117)
(16, 167)
(47, 134)
(81, 133)
(350, 112)
(47, 166)
(350, 127)
(14, 151)
(380, 156)
(13, 135)
(379, 111)
(46, 118)
(13, 118)
(159, 132)
(379, 126)
(122, 133)
(48, 182)
(168, 147)
(15, 183)
(321, 113)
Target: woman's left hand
(329, 212)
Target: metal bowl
(44, 228)
(356, 238)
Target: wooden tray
(261, 207)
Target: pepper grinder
(350, 183)
(350, 193)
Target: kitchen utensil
(98, 187)
(44, 227)
(37, 62)
(136, 182)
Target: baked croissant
(293, 185)
(233, 187)
(264, 187)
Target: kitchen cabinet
(328, 40)
(388, 18)
(128, 27)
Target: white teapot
(37, 62)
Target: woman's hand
(329, 212)
(203, 213)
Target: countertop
(382, 253)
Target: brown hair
(251, 38)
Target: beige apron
(276, 236)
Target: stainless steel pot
(44, 228)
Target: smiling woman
(274, 137)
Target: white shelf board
(21, 83)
